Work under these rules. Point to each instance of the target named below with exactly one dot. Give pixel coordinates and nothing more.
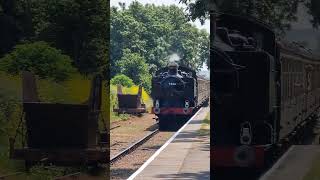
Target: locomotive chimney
(173, 68)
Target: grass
(314, 172)
(205, 127)
(132, 90)
(74, 91)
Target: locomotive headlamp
(186, 104)
(157, 108)
(245, 133)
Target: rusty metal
(130, 103)
(58, 133)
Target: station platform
(185, 156)
(294, 164)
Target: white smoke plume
(174, 58)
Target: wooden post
(119, 89)
(94, 110)
(29, 87)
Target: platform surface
(186, 157)
(294, 164)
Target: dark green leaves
(39, 58)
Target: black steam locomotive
(176, 93)
(264, 92)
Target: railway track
(3, 177)
(68, 176)
(130, 163)
(133, 146)
(115, 127)
(74, 175)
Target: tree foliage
(152, 33)
(134, 66)
(79, 28)
(278, 13)
(314, 10)
(39, 58)
(144, 36)
(122, 80)
(15, 24)
(199, 9)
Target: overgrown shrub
(122, 80)
(134, 66)
(39, 58)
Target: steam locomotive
(265, 92)
(177, 92)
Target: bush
(134, 66)
(122, 80)
(39, 58)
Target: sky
(197, 23)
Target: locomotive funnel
(173, 68)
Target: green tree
(78, 27)
(134, 66)
(156, 32)
(15, 23)
(314, 10)
(39, 58)
(122, 80)
(279, 14)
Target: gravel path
(130, 131)
(126, 166)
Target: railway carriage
(265, 92)
(177, 92)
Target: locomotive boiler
(177, 92)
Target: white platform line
(276, 165)
(134, 175)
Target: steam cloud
(174, 58)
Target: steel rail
(133, 146)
